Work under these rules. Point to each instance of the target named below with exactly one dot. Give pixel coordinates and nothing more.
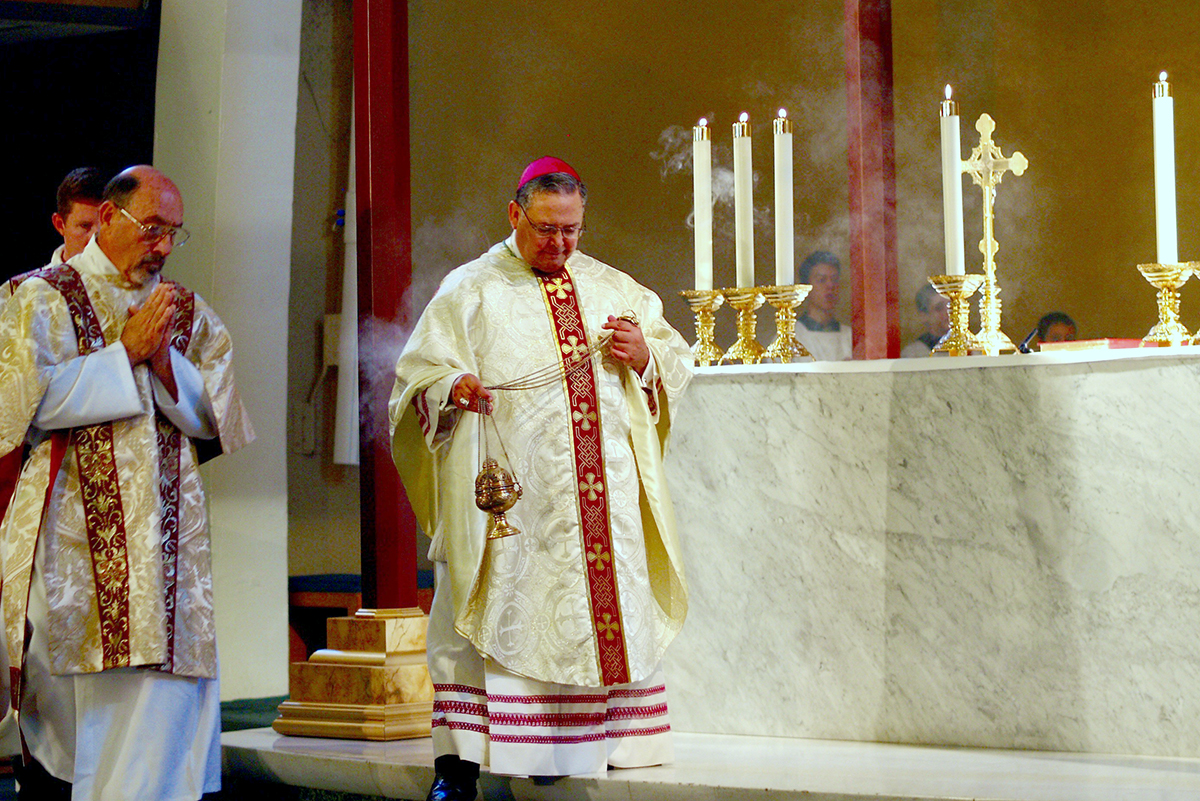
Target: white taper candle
(785, 259)
(743, 202)
(1165, 215)
(702, 203)
(952, 200)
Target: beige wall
(323, 512)
(495, 85)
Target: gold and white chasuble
(591, 592)
(127, 570)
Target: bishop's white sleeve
(649, 376)
(437, 397)
(192, 413)
(90, 389)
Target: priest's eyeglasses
(549, 231)
(156, 233)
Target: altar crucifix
(987, 167)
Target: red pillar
(872, 150)
(389, 541)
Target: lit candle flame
(744, 118)
(947, 91)
(783, 113)
(703, 121)
(1162, 76)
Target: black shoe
(444, 789)
(38, 785)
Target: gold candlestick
(987, 167)
(785, 299)
(704, 302)
(746, 301)
(1167, 279)
(958, 289)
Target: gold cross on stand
(987, 167)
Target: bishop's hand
(628, 346)
(468, 391)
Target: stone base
(354, 721)
(370, 684)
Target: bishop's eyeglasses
(547, 231)
(156, 233)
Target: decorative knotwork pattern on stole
(104, 518)
(170, 446)
(592, 497)
(99, 486)
(63, 277)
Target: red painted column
(389, 541)
(872, 148)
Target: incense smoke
(380, 343)
(675, 158)
(439, 245)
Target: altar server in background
(820, 330)
(77, 210)
(1057, 327)
(934, 311)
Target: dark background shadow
(71, 98)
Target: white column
(225, 132)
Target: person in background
(1057, 327)
(819, 330)
(935, 313)
(77, 211)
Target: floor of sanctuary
(711, 767)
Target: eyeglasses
(549, 231)
(156, 233)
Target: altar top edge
(1179, 353)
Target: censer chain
(555, 372)
(485, 409)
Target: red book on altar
(1095, 344)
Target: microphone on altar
(1024, 346)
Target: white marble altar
(996, 552)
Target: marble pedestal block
(370, 684)
(996, 552)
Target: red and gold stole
(170, 446)
(566, 319)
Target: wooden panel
(389, 542)
(872, 151)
